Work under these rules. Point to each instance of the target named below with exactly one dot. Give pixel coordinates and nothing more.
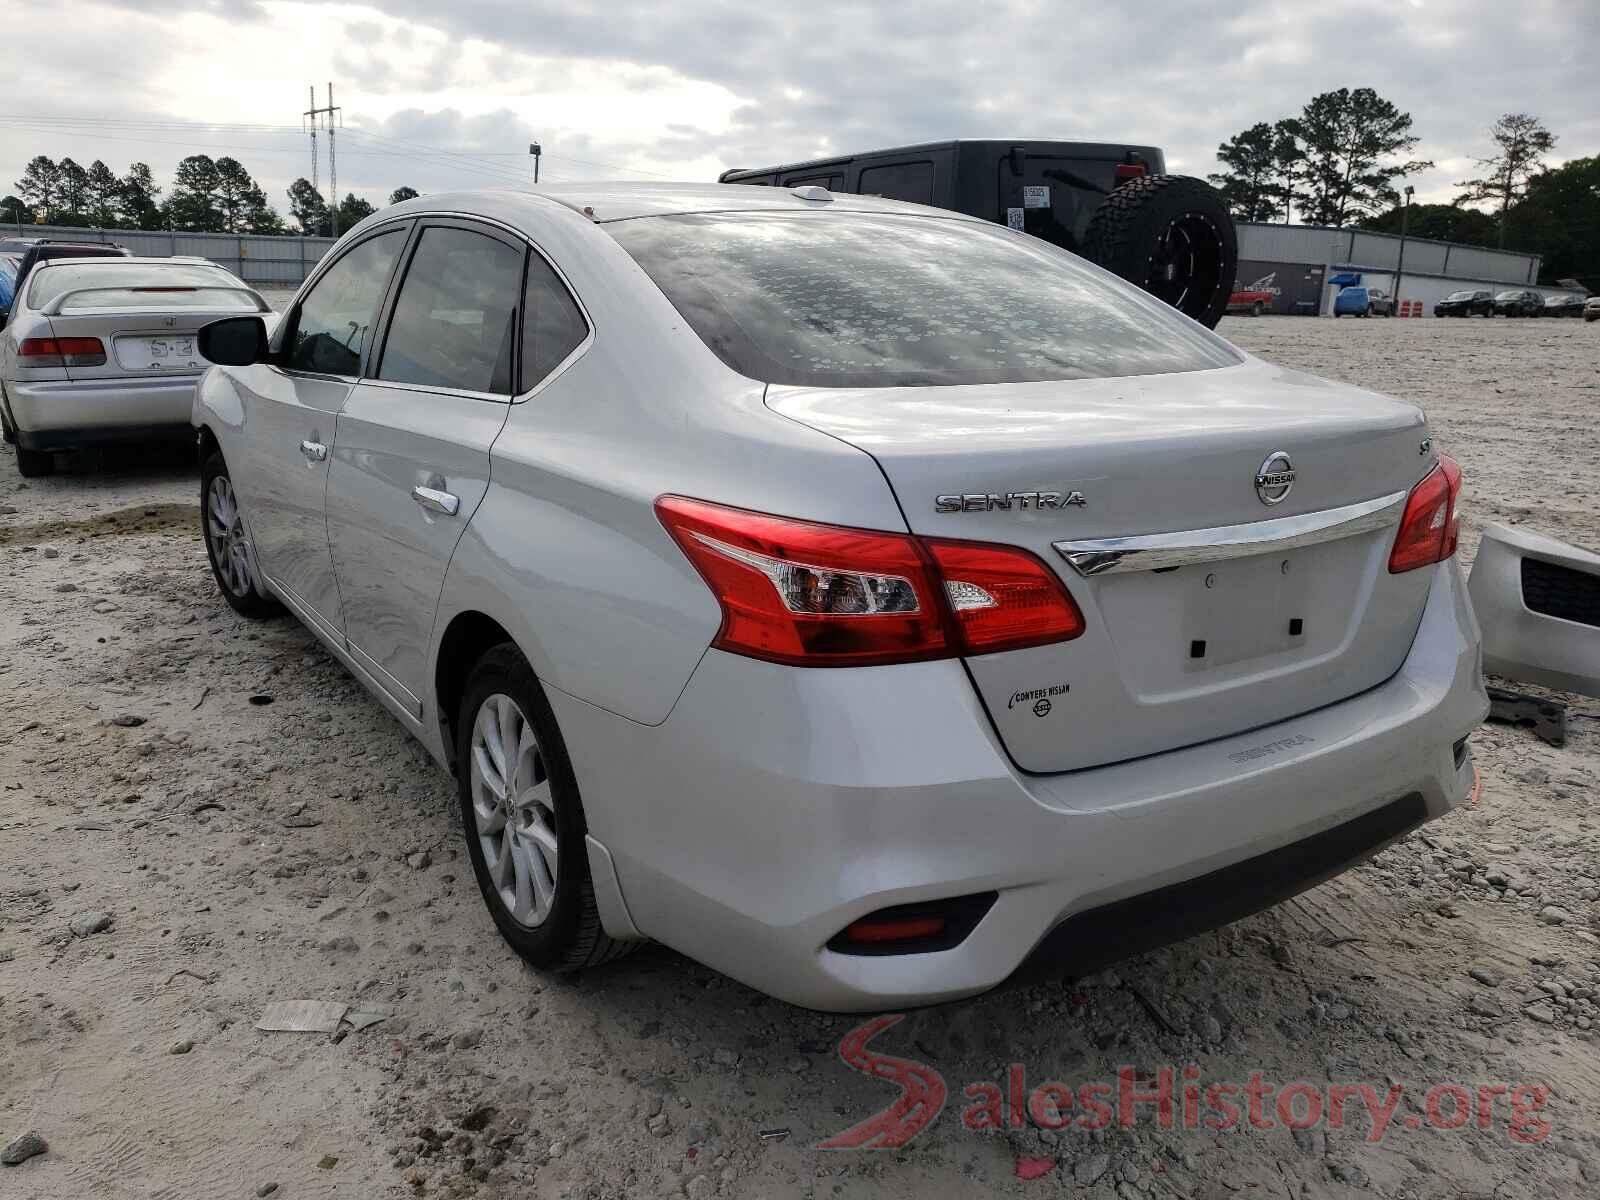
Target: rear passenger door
(411, 450)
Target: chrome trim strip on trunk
(1156, 551)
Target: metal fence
(1316, 243)
(264, 261)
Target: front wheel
(228, 544)
(1257, 309)
(523, 819)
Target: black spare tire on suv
(1113, 204)
(1171, 235)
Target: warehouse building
(1304, 266)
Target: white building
(1299, 263)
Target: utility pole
(311, 115)
(333, 167)
(1400, 262)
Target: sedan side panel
(566, 552)
(389, 551)
(283, 487)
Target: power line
(67, 124)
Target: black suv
(1465, 304)
(1114, 205)
(43, 249)
(1519, 304)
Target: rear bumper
(1520, 643)
(775, 806)
(60, 414)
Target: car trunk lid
(1236, 635)
(139, 342)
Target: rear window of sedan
(853, 299)
(103, 284)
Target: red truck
(1255, 299)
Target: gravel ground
(200, 815)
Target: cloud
(449, 95)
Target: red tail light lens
(1127, 171)
(1430, 526)
(62, 352)
(1003, 598)
(807, 594)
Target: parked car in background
(102, 350)
(1113, 204)
(1568, 305)
(800, 581)
(1254, 301)
(1354, 301)
(42, 250)
(1466, 304)
(1379, 303)
(1591, 309)
(9, 265)
(1519, 304)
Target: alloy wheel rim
(230, 548)
(1186, 264)
(514, 810)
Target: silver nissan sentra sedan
(868, 601)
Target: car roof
(604, 202)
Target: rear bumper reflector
(920, 928)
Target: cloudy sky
(439, 95)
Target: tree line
(1340, 160)
(207, 196)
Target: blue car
(1352, 302)
(8, 281)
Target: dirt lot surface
(200, 815)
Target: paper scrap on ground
(316, 1016)
(302, 1016)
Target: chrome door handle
(436, 500)
(314, 451)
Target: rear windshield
(852, 299)
(138, 285)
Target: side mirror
(234, 341)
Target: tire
(553, 924)
(1172, 236)
(31, 464)
(228, 547)
(1256, 309)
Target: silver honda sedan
(102, 350)
(868, 601)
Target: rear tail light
(62, 352)
(807, 594)
(1127, 171)
(1431, 524)
(1003, 598)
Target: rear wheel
(1257, 309)
(1172, 236)
(228, 543)
(523, 818)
